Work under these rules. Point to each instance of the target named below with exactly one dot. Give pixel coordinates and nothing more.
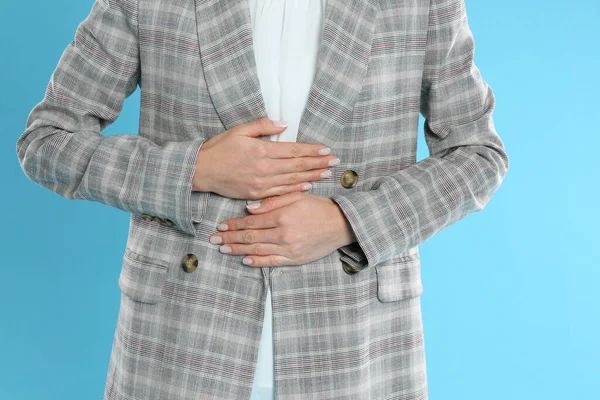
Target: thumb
(263, 127)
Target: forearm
(412, 205)
(467, 161)
(124, 171)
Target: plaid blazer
(190, 317)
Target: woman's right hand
(237, 164)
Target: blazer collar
(227, 52)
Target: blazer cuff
(357, 254)
(354, 252)
(178, 204)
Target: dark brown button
(349, 179)
(148, 217)
(190, 262)
(349, 269)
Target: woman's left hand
(291, 229)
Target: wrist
(346, 233)
(201, 180)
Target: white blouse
(286, 37)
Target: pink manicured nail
(306, 186)
(280, 123)
(252, 206)
(247, 261)
(216, 239)
(222, 227)
(325, 151)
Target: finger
(246, 236)
(300, 164)
(261, 127)
(262, 249)
(267, 261)
(273, 203)
(285, 189)
(295, 149)
(293, 178)
(248, 222)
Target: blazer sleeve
(467, 161)
(63, 150)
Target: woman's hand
(237, 164)
(292, 229)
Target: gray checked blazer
(346, 326)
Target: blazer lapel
(229, 64)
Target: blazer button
(349, 179)
(148, 217)
(190, 262)
(349, 269)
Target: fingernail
(325, 151)
(247, 261)
(225, 249)
(306, 186)
(333, 163)
(326, 174)
(252, 206)
(216, 239)
(280, 123)
(222, 227)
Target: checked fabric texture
(193, 333)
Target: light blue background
(511, 301)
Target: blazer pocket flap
(142, 278)
(399, 279)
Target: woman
(338, 259)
